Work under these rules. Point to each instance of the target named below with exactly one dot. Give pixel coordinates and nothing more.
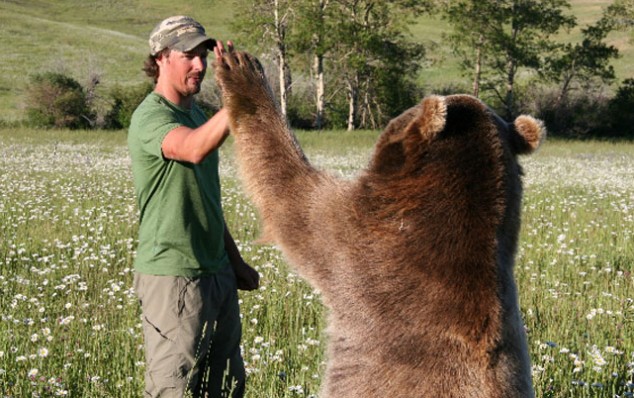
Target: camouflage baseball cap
(180, 33)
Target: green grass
(68, 223)
(109, 38)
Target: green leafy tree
(361, 43)
(266, 23)
(470, 21)
(508, 35)
(575, 64)
(310, 34)
(621, 12)
(522, 40)
(373, 57)
(56, 100)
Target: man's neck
(174, 96)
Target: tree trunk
(478, 67)
(368, 119)
(280, 36)
(353, 94)
(282, 76)
(320, 91)
(318, 67)
(509, 98)
(565, 87)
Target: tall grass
(70, 323)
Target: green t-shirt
(181, 229)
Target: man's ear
(163, 55)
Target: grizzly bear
(414, 257)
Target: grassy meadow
(70, 322)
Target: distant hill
(109, 37)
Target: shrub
(124, 102)
(580, 115)
(56, 100)
(620, 110)
(301, 105)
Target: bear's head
(436, 118)
(449, 166)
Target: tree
(371, 50)
(511, 35)
(470, 20)
(310, 34)
(573, 64)
(362, 41)
(522, 41)
(621, 13)
(266, 23)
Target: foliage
(116, 51)
(301, 108)
(620, 110)
(470, 19)
(311, 35)
(621, 12)
(585, 114)
(581, 116)
(396, 89)
(56, 100)
(124, 102)
(359, 45)
(253, 23)
(372, 58)
(572, 64)
(267, 23)
(513, 35)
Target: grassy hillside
(108, 37)
(78, 37)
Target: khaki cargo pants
(192, 335)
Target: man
(187, 266)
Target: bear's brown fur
(414, 258)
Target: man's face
(184, 71)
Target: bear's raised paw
(241, 78)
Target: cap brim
(191, 41)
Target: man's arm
(193, 145)
(246, 277)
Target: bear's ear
(405, 134)
(431, 118)
(527, 134)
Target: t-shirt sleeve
(152, 127)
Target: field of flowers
(70, 323)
